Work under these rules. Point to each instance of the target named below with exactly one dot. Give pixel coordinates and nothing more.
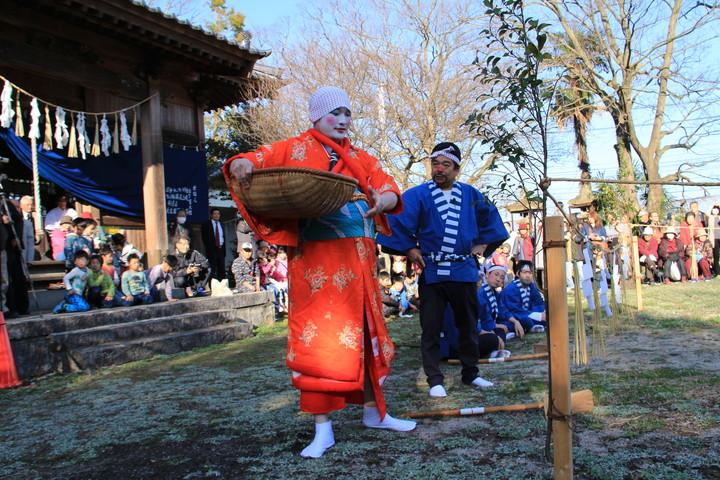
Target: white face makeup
(335, 124)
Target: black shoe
(11, 315)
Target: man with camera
(192, 271)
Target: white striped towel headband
(448, 152)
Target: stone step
(123, 352)
(125, 331)
(47, 324)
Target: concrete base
(76, 341)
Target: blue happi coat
(520, 301)
(488, 308)
(445, 231)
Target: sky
(270, 16)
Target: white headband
(491, 268)
(448, 152)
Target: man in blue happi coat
(521, 300)
(445, 224)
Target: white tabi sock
(371, 419)
(323, 440)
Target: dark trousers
(193, 281)
(462, 298)
(216, 256)
(650, 266)
(667, 265)
(17, 300)
(487, 343)
(716, 255)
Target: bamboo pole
(558, 332)
(516, 358)
(636, 268)
(636, 182)
(581, 402)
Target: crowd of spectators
(107, 270)
(682, 248)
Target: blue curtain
(114, 183)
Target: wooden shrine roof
(223, 67)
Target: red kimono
(337, 333)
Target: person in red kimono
(339, 350)
(648, 251)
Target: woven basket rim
(312, 171)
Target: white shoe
(438, 391)
(482, 383)
(500, 354)
(510, 336)
(537, 329)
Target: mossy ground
(229, 412)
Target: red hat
(524, 226)
(87, 215)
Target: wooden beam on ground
(558, 330)
(153, 178)
(516, 358)
(636, 268)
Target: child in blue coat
(521, 300)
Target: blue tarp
(114, 183)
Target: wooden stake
(693, 261)
(516, 358)
(636, 267)
(558, 332)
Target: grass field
(229, 412)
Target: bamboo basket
(294, 193)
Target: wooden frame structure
(110, 54)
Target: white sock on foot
(371, 419)
(323, 440)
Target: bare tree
(646, 50)
(408, 68)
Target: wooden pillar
(559, 348)
(153, 178)
(636, 267)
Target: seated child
(75, 281)
(161, 281)
(101, 292)
(77, 240)
(501, 256)
(135, 287)
(123, 249)
(390, 305)
(521, 300)
(108, 265)
(491, 333)
(398, 293)
(57, 237)
(412, 288)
